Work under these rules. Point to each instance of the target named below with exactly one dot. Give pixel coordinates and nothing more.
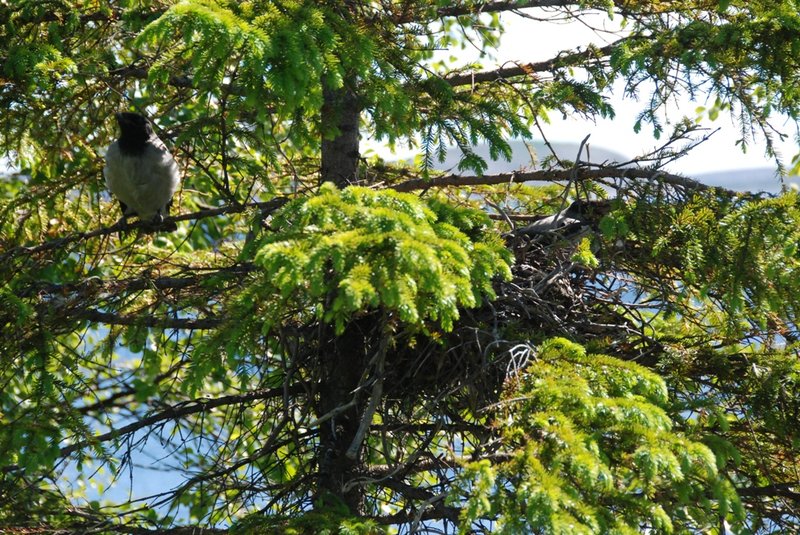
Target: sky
(526, 40)
(717, 154)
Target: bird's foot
(124, 227)
(157, 224)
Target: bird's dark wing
(549, 224)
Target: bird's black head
(135, 130)
(583, 209)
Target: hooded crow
(576, 215)
(141, 172)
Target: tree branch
(407, 16)
(193, 324)
(93, 285)
(141, 73)
(555, 176)
(436, 508)
(266, 208)
(381, 471)
(182, 530)
(526, 69)
(180, 411)
(784, 490)
(95, 16)
(499, 6)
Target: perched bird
(576, 215)
(141, 172)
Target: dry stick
(335, 412)
(573, 178)
(422, 507)
(503, 213)
(377, 391)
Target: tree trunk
(342, 357)
(343, 362)
(340, 121)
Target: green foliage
(482, 120)
(744, 255)
(262, 42)
(583, 254)
(592, 450)
(264, 45)
(343, 252)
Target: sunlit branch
(527, 69)
(500, 6)
(478, 8)
(579, 174)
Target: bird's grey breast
(146, 181)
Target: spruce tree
(331, 343)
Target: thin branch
(146, 320)
(405, 517)
(182, 530)
(527, 69)
(180, 411)
(103, 526)
(114, 399)
(477, 8)
(436, 509)
(265, 207)
(499, 6)
(334, 412)
(380, 472)
(141, 73)
(784, 490)
(185, 81)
